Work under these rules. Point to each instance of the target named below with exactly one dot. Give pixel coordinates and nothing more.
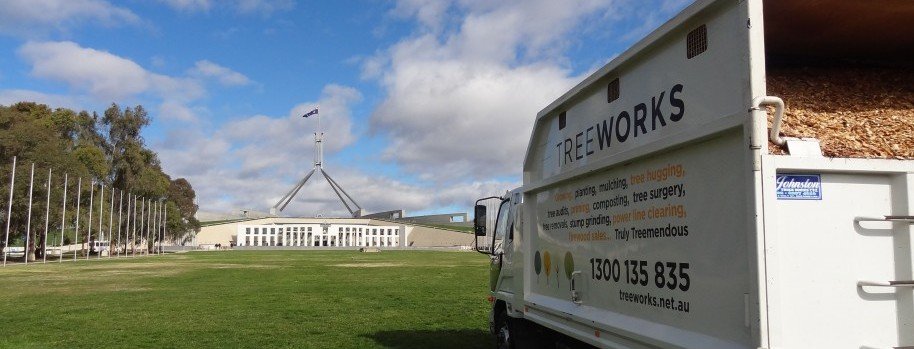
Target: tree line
(107, 150)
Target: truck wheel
(504, 337)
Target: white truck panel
(664, 209)
(817, 253)
(670, 92)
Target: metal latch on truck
(891, 283)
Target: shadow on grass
(422, 339)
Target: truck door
(838, 249)
(501, 244)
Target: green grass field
(262, 299)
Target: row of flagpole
(150, 213)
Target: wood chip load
(859, 112)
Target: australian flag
(313, 112)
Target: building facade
(320, 235)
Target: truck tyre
(504, 334)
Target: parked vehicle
(100, 246)
(655, 210)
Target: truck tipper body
(654, 212)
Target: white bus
(100, 246)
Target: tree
(108, 150)
(181, 194)
(126, 144)
(35, 134)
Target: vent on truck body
(612, 91)
(697, 41)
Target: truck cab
(498, 226)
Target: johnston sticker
(799, 187)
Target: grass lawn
(253, 299)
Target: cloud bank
(462, 93)
(35, 18)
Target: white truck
(654, 213)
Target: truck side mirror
(479, 220)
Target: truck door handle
(901, 283)
(575, 295)
(902, 219)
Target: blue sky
(426, 104)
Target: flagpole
(9, 212)
(159, 227)
(142, 219)
(161, 224)
(133, 242)
(28, 224)
(120, 222)
(47, 215)
(101, 218)
(148, 221)
(165, 225)
(155, 227)
(89, 224)
(63, 215)
(110, 222)
(79, 195)
(148, 227)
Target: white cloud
(377, 194)
(250, 162)
(175, 111)
(264, 143)
(188, 152)
(158, 61)
(9, 97)
(428, 12)
(261, 7)
(461, 97)
(224, 75)
(227, 191)
(189, 5)
(450, 120)
(36, 17)
(104, 75)
(464, 89)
